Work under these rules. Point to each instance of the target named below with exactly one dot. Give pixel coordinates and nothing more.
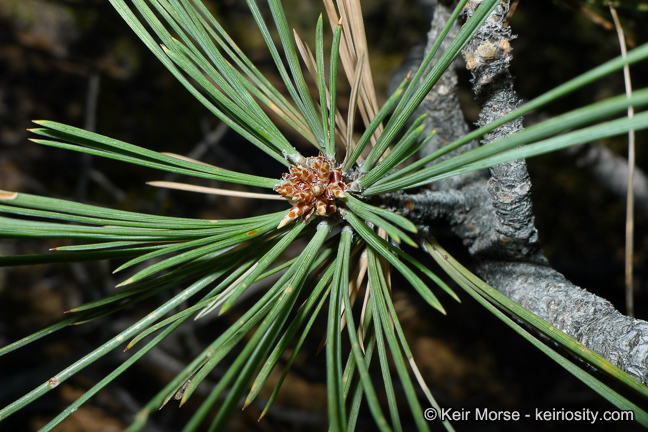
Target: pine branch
(494, 218)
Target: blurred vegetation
(49, 52)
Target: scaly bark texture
(493, 214)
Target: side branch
(611, 170)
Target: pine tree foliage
(350, 246)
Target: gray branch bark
(493, 214)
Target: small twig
(87, 172)
(106, 184)
(211, 138)
(512, 8)
(611, 170)
(89, 123)
(629, 252)
(593, 16)
(596, 18)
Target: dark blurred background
(78, 63)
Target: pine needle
(213, 191)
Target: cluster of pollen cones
(312, 187)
